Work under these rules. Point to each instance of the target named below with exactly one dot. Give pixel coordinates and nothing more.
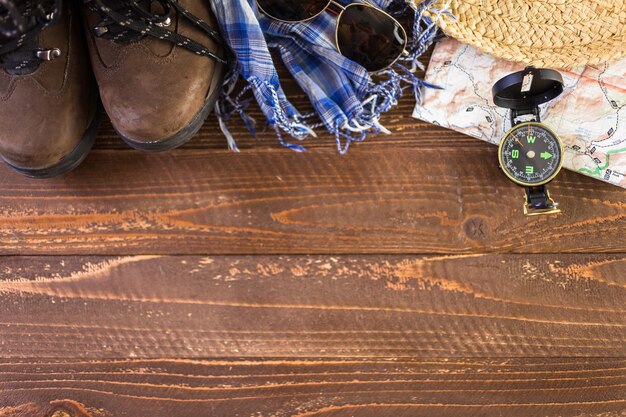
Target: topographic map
(590, 116)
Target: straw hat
(544, 33)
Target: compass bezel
(527, 184)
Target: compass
(530, 154)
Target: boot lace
(130, 20)
(20, 23)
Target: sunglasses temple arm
(334, 3)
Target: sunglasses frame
(343, 9)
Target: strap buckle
(548, 206)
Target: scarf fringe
(381, 96)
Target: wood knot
(67, 408)
(58, 408)
(476, 228)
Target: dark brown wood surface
(305, 307)
(398, 280)
(423, 200)
(572, 387)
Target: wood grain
(303, 307)
(454, 334)
(428, 200)
(183, 388)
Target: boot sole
(184, 135)
(70, 161)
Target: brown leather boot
(159, 67)
(48, 100)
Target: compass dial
(531, 154)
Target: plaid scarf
(347, 100)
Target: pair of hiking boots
(155, 65)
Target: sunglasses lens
(292, 10)
(370, 37)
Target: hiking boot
(48, 100)
(159, 67)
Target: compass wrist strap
(537, 197)
(538, 201)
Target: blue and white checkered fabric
(347, 100)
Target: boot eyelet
(165, 23)
(99, 31)
(48, 54)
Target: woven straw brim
(546, 33)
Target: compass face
(531, 154)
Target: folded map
(590, 116)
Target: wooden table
(399, 280)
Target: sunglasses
(364, 33)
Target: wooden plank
(426, 200)
(310, 307)
(407, 132)
(456, 388)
